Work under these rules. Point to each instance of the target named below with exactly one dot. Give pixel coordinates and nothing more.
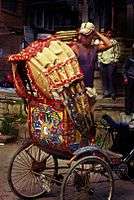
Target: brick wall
(11, 34)
(13, 19)
(9, 44)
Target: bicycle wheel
(31, 172)
(89, 178)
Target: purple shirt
(87, 64)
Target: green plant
(8, 125)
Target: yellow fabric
(49, 55)
(44, 62)
(54, 67)
(66, 49)
(39, 78)
(55, 47)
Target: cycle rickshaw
(61, 128)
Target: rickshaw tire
(25, 145)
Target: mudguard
(92, 150)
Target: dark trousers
(108, 74)
(129, 96)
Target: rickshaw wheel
(31, 172)
(89, 178)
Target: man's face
(86, 39)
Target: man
(108, 62)
(86, 50)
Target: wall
(11, 34)
(12, 108)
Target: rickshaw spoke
(85, 180)
(31, 172)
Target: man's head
(109, 33)
(86, 32)
(86, 28)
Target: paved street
(123, 189)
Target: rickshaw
(61, 154)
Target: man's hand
(106, 42)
